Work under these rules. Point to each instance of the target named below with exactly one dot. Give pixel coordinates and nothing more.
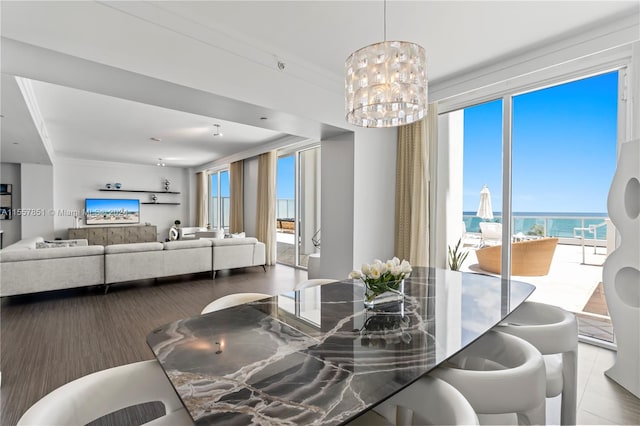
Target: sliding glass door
(219, 200)
(551, 154)
(298, 206)
(563, 161)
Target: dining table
(318, 356)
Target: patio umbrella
(485, 211)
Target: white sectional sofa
(128, 262)
(229, 253)
(25, 269)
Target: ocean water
(549, 224)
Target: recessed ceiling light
(155, 139)
(16, 143)
(216, 132)
(1, 115)
(263, 118)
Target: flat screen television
(109, 211)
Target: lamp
(386, 83)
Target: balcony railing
(567, 228)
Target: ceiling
(310, 38)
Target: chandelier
(386, 83)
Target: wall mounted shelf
(139, 190)
(174, 204)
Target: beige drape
(266, 211)
(236, 187)
(202, 207)
(412, 189)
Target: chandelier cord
(385, 20)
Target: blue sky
(224, 184)
(285, 177)
(564, 148)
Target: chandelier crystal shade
(386, 84)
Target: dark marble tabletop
(318, 357)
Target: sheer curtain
(202, 207)
(236, 188)
(266, 211)
(412, 189)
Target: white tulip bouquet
(380, 277)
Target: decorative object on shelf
(108, 186)
(384, 281)
(621, 271)
(174, 234)
(386, 83)
(177, 222)
(166, 184)
(456, 256)
(154, 198)
(117, 185)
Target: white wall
(10, 173)
(337, 206)
(37, 198)
(374, 192)
(250, 195)
(75, 180)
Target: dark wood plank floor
(49, 339)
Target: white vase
(621, 272)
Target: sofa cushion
(24, 244)
(58, 252)
(61, 243)
(132, 248)
(217, 242)
(184, 244)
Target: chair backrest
(551, 329)
(497, 374)
(233, 300)
(491, 231)
(95, 395)
(312, 283)
(428, 401)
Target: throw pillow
(238, 235)
(51, 244)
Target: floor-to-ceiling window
(219, 200)
(298, 206)
(551, 153)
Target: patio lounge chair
(528, 258)
(491, 233)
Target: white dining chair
(554, 332)
(499, 374)
(312, 283)
(428, 401)
(95, 395)
(233, 300)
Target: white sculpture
(621, 272)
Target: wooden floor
(49, 339)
